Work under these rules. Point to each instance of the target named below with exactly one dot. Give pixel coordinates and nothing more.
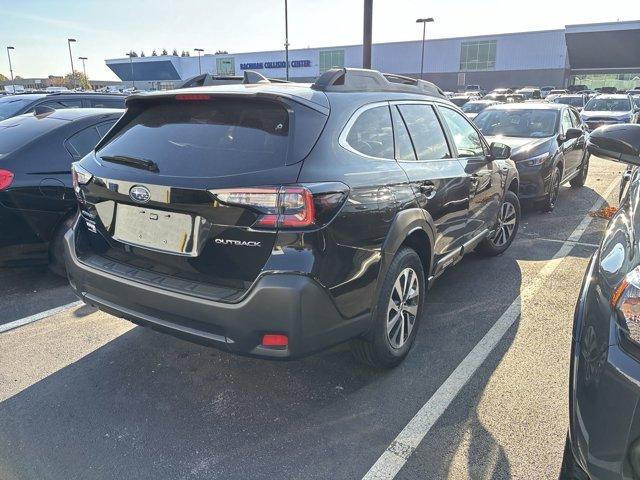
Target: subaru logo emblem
(140, 194)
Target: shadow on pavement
(147, 405)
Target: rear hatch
(182, 193)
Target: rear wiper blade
(132, 162)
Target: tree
(154, 54)
(187, 53)
(133, 54)
(174, 53)
(18, 77)
(3, 78)
(222, 52)
(182, 54)
(164, 51)
(142, 54)
(81, 80)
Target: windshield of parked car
(573, 101)
(534, 123)
(474, 107)
(9, 106)
(608, 105)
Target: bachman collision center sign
(280, 64)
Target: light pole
(367, 33)
(10, 67)
(424, 22)
(199, 50)
(84, 69)
(286, 38)
(133, 78)
(73, 74)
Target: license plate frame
(159, 230)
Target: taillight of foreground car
(79, 176)
(626, 302)
(6, 178)
(292, 207)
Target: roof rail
(363, 80)
(207, 79)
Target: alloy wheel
(403, 307)
(506, 224)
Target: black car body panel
(317, 284)
(39, 150)
(604, 391)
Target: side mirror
(499, 151)
(572, 133)
(616, 142)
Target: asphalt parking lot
(85, 395)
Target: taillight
(626, 301)
(79, 176)
(286, 207)
(6, 177)
(192, 96)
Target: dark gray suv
(276, 220)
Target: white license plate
(169, 232)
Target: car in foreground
(37, 202)
(548, 146)
(610, 110)
(276, 220)
(12, 105)
(473, 108)
(603, 442)
(576, 101)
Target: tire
(386, 347)
(56, 248)
(508, 222)
(549, 202)
(579, 180)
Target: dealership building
(600, 54)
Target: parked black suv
(13, 105)
(280, 219)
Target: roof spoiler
(363, 80)
(248, 77)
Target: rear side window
(212, 138)
(372, 134)
(426, 132)
(466, 138)
(61, 104)
(404, 147)
(566, 120)
(107, 103)
(83, 142)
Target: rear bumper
(290, 304)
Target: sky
(38, 29)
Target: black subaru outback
(276, 220)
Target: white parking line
(399, 451)
(531, 237)
(38, 316)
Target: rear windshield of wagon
(216, 137)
